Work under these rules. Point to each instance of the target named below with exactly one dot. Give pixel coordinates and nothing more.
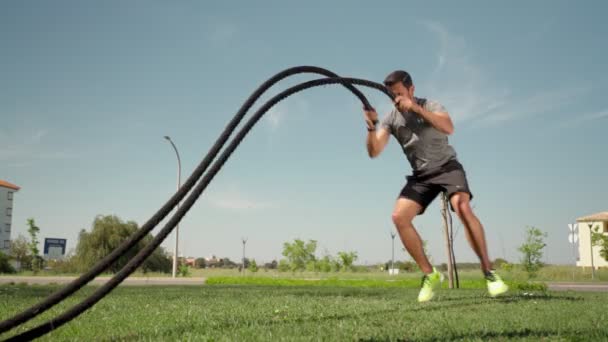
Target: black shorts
(423, 187)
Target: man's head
(400, 83)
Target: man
(422, 127)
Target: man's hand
(371, 118)
(404, 104)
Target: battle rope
(144, 253)
(102, 265)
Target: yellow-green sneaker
(429, 283)
(495, 284)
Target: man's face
(400, 90)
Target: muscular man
(422, 127)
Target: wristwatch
(375, 122)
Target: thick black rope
(189, 202)
(102, 265)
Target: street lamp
(244, 240)
(179, 184)
(591, 244)
(393, 255)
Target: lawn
(546, 274)
(330, 312)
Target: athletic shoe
(495, 284)
(429, 282)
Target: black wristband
(375, 122)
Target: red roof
(603, 216)
(9, 185)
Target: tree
(20, 251)
(183, 270)
(33, 230)
(271, 265)
(253, 266)
(499, 262)
(531, 250)
(407, 266)
(600, 239)
(227, 263)
(200, 263)
(311, 266)
(158, 261)
(347, 259)
(325, 264)
(5, 265)
(299, 254)
(107, 233)
(283, 265)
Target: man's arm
(376, 141)
(376, 138)
(439, 119)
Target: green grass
(330, 312)
(412, 283)
(546, 274)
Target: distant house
(7, 191)
(599, 221)
(213, 262)
(190, 262)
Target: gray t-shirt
(426, 147)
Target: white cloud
(277, 115)
(578, 119)
(274, 117)
(538, 103)
(470, 94)
(21, 149)
(37, 137)
(235, 199)
(221, 31)
(456, 81)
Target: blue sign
(54, 248)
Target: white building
(599, 221)
(7, 191)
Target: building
(7, 191)
(190, 262)
(599, 221)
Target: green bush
(507, 267)
(183, 271)
(527, 286)
(253, 266)
(5, 265)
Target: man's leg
(474, 230)
(403, 215)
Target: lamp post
(179, 184)
(591, 244)
(393, 254)
(244, 240)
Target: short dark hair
(398, 76)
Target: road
(102, 280)
(594, 287)
(553, 286)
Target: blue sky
(89, 90)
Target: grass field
(548, 273)
(329, 312)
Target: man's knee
(401, 218)
(462, 205)
(405, 211)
